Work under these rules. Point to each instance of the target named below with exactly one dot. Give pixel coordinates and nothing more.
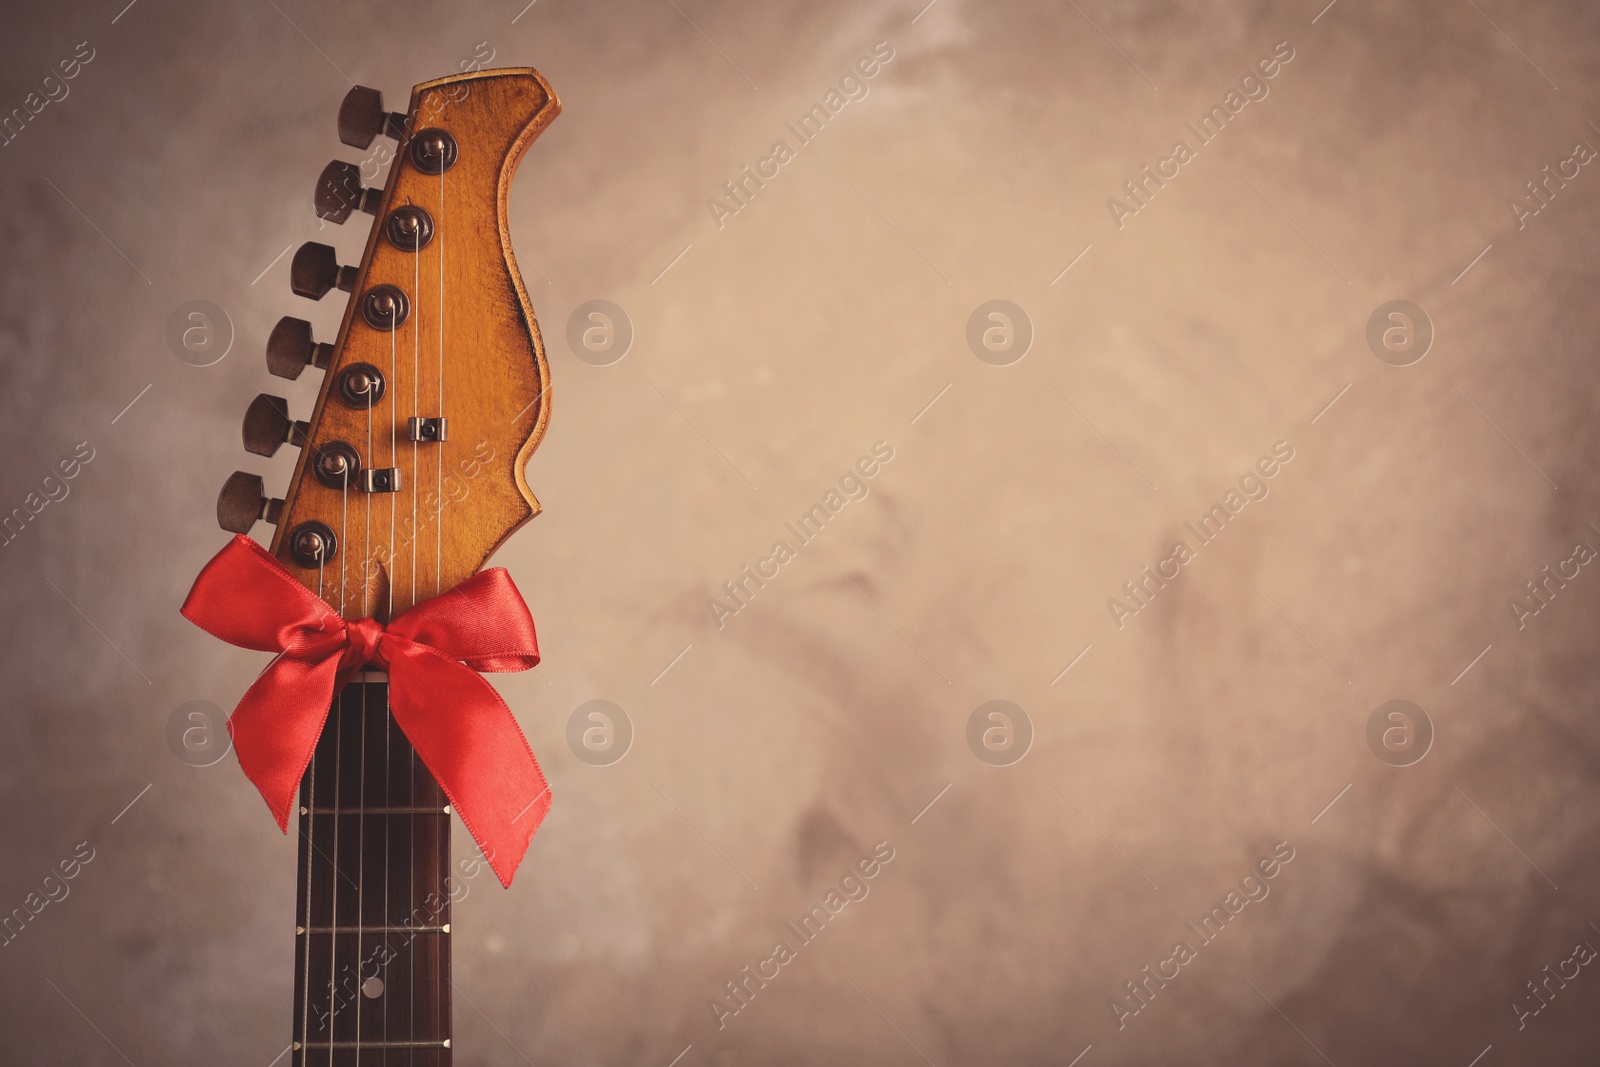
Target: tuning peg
(267, 426)
(339, 192)
(243, 501)
(290, 348)
(361, 118)
(315, 270)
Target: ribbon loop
(462, 730)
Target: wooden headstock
(438, 327)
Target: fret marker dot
(372, 988)
(445, 928)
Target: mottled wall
(1189, 337)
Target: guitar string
(344, 529)
(442, 834)
(307, 826)
(366, 533)
(394, 548)
(361, 797)
(305, 943)
(361, 862)
(388, 718)
(394, 456)
(388, 801)
(416, 547)
(333, 921)
(336, 712)
(416, 404)
(411, 906)
(438, 573)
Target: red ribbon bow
(455, 720)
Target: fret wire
(381, 811)
(445, 929)
(441, 1043)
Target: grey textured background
(825, 717)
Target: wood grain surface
(469, 350)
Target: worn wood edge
(519, 148)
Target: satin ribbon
(454, 719)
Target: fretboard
(372, 926)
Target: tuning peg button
(242, 502)
(339, 192)
(290, 349)
(362, 117)
(267, 426)
(315, 270)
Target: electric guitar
(410, 474)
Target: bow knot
(366, 639)
(459, 726)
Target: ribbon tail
(471, 743)
(276, 726)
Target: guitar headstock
(436, 392)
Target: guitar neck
(372, 927)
